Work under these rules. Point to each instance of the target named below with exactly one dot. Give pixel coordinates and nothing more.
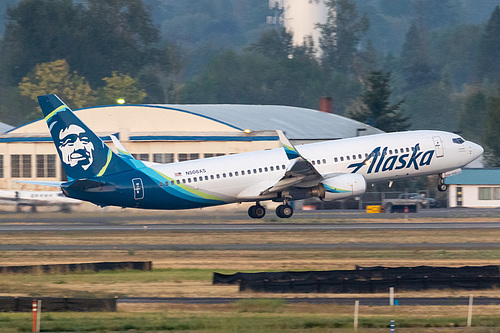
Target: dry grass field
(182, 273)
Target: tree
(473, 116)
(96, 37)
(374, 106)
(56, 78)
(491, 137)
(415, 62)
(121, 86)
(488, 65)
(32, 39)
(341, 34)
(274, 43)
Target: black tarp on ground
(377, 272)
(367, 286)
(57, 304)
(66, 268)
(366, 280)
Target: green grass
(213, 322)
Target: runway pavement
(371, 301)
(239, 227)
(253, 247)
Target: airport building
(168, 133)
(474, 187)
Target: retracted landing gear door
(138, 188)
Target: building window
(188, 157)
(208, 155)
(163, 158)
(141, 157)
(1, 166)
(20, 166)
(485, 193)
(46, 166)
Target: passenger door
(438, 144)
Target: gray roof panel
(297, 123)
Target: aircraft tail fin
(82, 152)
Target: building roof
(475, 176)
(297, 123)
(5, 127)
(162, 121)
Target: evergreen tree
(96, 37)
(488, 64)
(341, 34)
(491, 137)
(374, 106)
(274, 43)
(473, 116)
(415, 62)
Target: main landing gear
(256, 211)
(283, 211)
(441, 185)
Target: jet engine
(340, 187)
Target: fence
(57, 304)
(66, 268)
(366, 279)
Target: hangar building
(168, 133)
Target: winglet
(290, 150)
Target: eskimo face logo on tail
(82, 153)
(76, 147)
(377, 160)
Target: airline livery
(328, 170)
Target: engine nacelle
(340, 187)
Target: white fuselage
(392, 156)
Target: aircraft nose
(476, 150)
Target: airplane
(35, 199)
(329, 170)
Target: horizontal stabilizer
(88, 185)
(41, 183)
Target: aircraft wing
(301, 174)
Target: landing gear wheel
(442, 187)
(256, 212)
(284, 211)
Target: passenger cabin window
(335, 159)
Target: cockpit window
(458, 140)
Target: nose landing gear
(442, 187)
